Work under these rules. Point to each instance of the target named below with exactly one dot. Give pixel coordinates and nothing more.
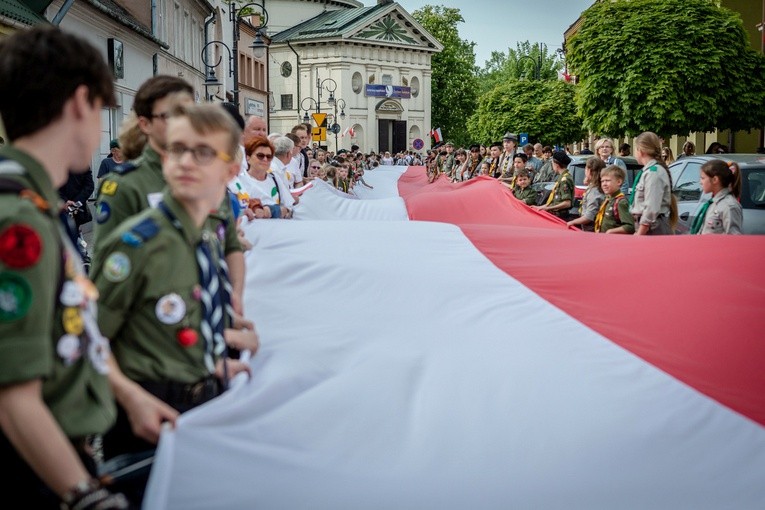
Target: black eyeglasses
(202, 154)
(163, 115)
(315, 167)
(262, 156)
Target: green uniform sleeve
(116, 201)
(567, 189)
(119, 279)
(27, 294)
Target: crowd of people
(648, 207)
(80, 386)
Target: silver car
(686, 186)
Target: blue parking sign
(524, 137)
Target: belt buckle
(196, 392)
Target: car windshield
(753, 188)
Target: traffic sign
(418, 144)
(335, 128)
(319, 134)
(524, 139)
(320, 119)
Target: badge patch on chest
(15, 297)
(117, 267)
(170, 309)
(20, 246)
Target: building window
(286, 101)
(415, 84)
(356, 84)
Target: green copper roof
(328, 25)
(17, 11)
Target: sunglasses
(315, 167)
(262, 156)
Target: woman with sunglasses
(270, 196)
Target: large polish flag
(442, 346)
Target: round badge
(187, 337)
(170, 309)
(20, 246)
(98, 352)
(68, 348)
(72, 321)
(103, 212)
(71, 294)
(117, 267)
(15, 297)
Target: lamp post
(210, 79)
(306, 118)
(258, 46)
(331, 87)
(536, 62)
(339, 103)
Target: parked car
(576, 168)
(686, 186)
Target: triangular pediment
(394, 26)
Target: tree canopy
(453, 83)
(518, 63)
(543, 109)
(668, 66)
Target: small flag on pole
(436, 134)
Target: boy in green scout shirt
(562, 194)
(138, 184)
(156, 278)
(523, 190)
(54, 392)
(614, 214)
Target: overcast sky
(495, 25)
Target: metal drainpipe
(62, 12)
(297, 57)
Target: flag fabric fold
(453, 349)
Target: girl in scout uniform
(593, 196)
(721, 214)
(652, 203)
(165, 294)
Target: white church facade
(367, 68)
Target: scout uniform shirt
(723, 214)
(135, 186)
(614, 212)
(148, 279)
(562, 190)
(652, 195)
(527, 195)
(47, 330)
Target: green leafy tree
(668, 66)
(453, 82)
(543, 109)
(518, 63)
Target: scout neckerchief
(698, 221)
(555, 187)
(603, 208)
(634, 185)
(215, 293)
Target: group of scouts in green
(607, 206)
(92, 369)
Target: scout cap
(510, 136)
(114, 144)
(561, 158)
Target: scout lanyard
(602, 210)
(555, 187)
(221, 293)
